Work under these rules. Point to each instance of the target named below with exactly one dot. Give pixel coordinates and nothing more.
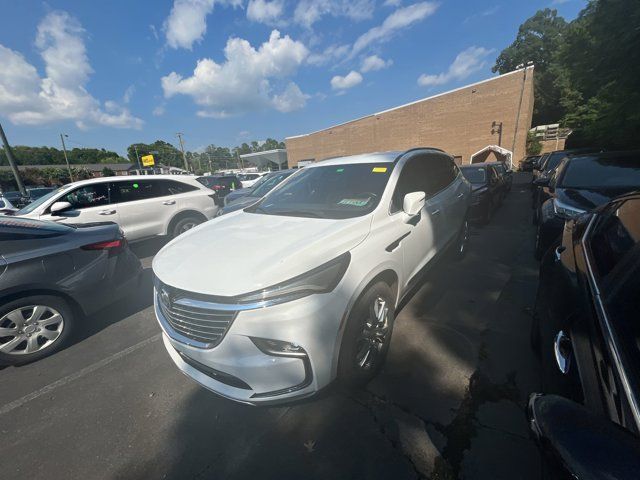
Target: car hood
(588, 199)
(243, 252)
(239, 203)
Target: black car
(50, 276)
(580, 184)
(528, 163)
(488, 189)
(506, 173)
(221, 184)
(587, 334)
(267, 183)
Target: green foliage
(50, 176)
(586, 72)
(107, 172)
(538, 40)
(26, 155)
(534, 147)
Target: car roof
(613, 154)
(375, 157)
(481, 164)
(124, 178)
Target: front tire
(367, 336)
(34, 327)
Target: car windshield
(475, 174)
(594, 172)
(269, 182)
(553, 161)
(36, 203)
(36, 193)
(333, 191)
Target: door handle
(460, 195)
(435, 212)
(106, 212)
(169, 202)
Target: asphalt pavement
(450, 403)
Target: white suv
(143, 206)
(308, 279)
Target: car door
(451, 192)
(419, 235)
(495, 186)
(145, 206)
(89, 203)
(614, 250)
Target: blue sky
(112, 73)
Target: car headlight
(565, 211)
(322, 279)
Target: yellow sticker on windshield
(379, 169)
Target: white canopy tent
(265, 159)
(481, 155)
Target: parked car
(487, 190)
(582, 183)
(249, 179)
(321, 263)
(270, 181)
(16, 198)
(506, 174)
(585, 326)
(529, 162)
(52, 276)
(144, 206)
(6, 207)
(35, 193)
(241, 192)
(222, 185)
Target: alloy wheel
(374, 335)
(29, 329)
(187, 226)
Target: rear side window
(173, 187)
(133, 190)
(94, 195)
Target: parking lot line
(79, 374)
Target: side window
(444, 173)
(132, 190)
(173, 187)
(94, 195)
(414, 177)
(493, 175)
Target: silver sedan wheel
(29, 329)
(373, 336)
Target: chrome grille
(193, 319)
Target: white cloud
(128, 93)
(158, 111)
(398, 20)
(350, 80)
(329, 54)
(244, 82)
(373, 63)
(466, 62)
(392, 3)
(187, 21)
(308, 12)
(27, 98)
(264, 11)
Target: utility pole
(184, 157)
(496, 127)
(135, 148)
(515, 132)
(12, 163)
(66, 159)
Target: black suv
(487, 187)
(221, 184)
(580, 184)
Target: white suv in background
(143, 205)
(310, 276)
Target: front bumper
(238, 369)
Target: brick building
(461, 122)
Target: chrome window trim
(608, 332)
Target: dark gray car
(51, 275)
(267, 183)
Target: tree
(538, 40)
(26, 155)
(107, 172)
(534, 147)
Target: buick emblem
(165, 298)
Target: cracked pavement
(450, 402)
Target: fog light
(278, 347)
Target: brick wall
(552, 145)
(459, 122)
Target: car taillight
(218, 187)
(111, 245)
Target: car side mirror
(60, 207)
(413, 203)
(587, 445)
(541, 182)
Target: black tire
(353, 372)
(46, 347)
(184, 224)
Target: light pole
(515, 132)
(184, 157)
(12, 163)
(66, 159)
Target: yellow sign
(148, 161)
(379, 169)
